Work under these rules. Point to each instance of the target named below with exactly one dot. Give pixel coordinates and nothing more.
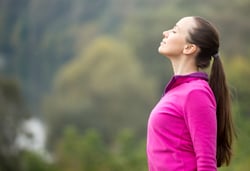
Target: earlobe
(190, 49)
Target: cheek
(172, 47)
(176, 43)
(177, 40)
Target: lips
(163, 43)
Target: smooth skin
(174, 45)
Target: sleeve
(200, 117)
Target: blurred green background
(80, 77)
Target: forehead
(186, 23)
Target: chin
(164, 53)
(161, 51)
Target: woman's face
(174, 40)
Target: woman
(190, 129)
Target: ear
(190, 49)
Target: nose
(165, 33)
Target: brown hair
(206, 37)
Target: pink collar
(176, 80)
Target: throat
(184, 68)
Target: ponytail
(225, 129)
(206, 37)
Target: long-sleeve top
(182, 127)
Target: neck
(184, 66)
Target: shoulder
(196, 86)
(198, 92)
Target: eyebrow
(176, 26)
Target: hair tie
(216, 55)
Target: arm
(200, 117)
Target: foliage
(101, 88)
(12, 113)
(32, 161)
(38, 37)
(72, 74)
(89, 152)
(238, 74)
(82, 152)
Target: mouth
(163, 43)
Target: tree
(103, 88)
(238, 73)
(31, 161)
(12, 112)
(88, 152)
(82, 152)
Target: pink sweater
(182, 127)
